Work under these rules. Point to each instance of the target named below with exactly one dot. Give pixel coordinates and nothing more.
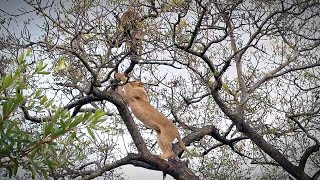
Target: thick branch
(121, 162)
(34, 119)
(307, 154)
(82, 101)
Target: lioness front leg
(120, 91)
(122, 94)
(121, 77)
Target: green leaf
(45, 174)
(58, 133)
(91, 133)
(15, 167)
(61, 65)
(28, 52)
(35, 151)
(33, 171)
(49, 163)
(72, 137)
(97, 121)
(87, 116)
(37, 136)
(77, 121)
(52, 147)
(166, 7)
(56, 115)
(44, 72)
(21, 58)
(8, 107)
(49, 104)
(24, 68)
(7, 81)
(38, 93)
(101, 128)
(19, 98)
(63, 124)
(48, 128)
(225, 87)
(21, 86)
(40, 67)
(99, 113)
(43, 100)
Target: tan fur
(135, 96)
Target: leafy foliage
(34, 147)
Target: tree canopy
(240, 80)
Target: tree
(239, 78)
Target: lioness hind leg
(168, 151)
(166, 142)
(160, 143)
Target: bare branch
(307, 153)
(296, 69)
(270, 74)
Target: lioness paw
(119, 75)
